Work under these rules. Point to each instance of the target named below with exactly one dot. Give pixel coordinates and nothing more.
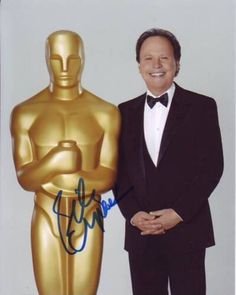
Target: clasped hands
(155, 222)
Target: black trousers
(151, 272)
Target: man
(171, 157)
(63, 134)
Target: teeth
(157, 74)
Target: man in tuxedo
(170, 162)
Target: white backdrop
(110, 29)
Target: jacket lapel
(179, 109)
(136, 138)
(176, 116)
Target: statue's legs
(56, 271)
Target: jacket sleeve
(123, 189)
(210, 165)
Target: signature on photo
(100, 213)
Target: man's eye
(164, 57)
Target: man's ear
(177, 67)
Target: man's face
(65, 60)
(157, 64)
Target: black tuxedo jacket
(190, 165)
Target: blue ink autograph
(97, 216)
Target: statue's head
(65, 58)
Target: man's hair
(156, 32)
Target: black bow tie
(153, 100)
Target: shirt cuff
(132, 222)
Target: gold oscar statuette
(65, 150)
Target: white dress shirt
(154, 123)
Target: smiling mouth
(157, 74)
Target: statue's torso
(53, 121)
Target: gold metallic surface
(59, 135)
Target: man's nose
(156, 63)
